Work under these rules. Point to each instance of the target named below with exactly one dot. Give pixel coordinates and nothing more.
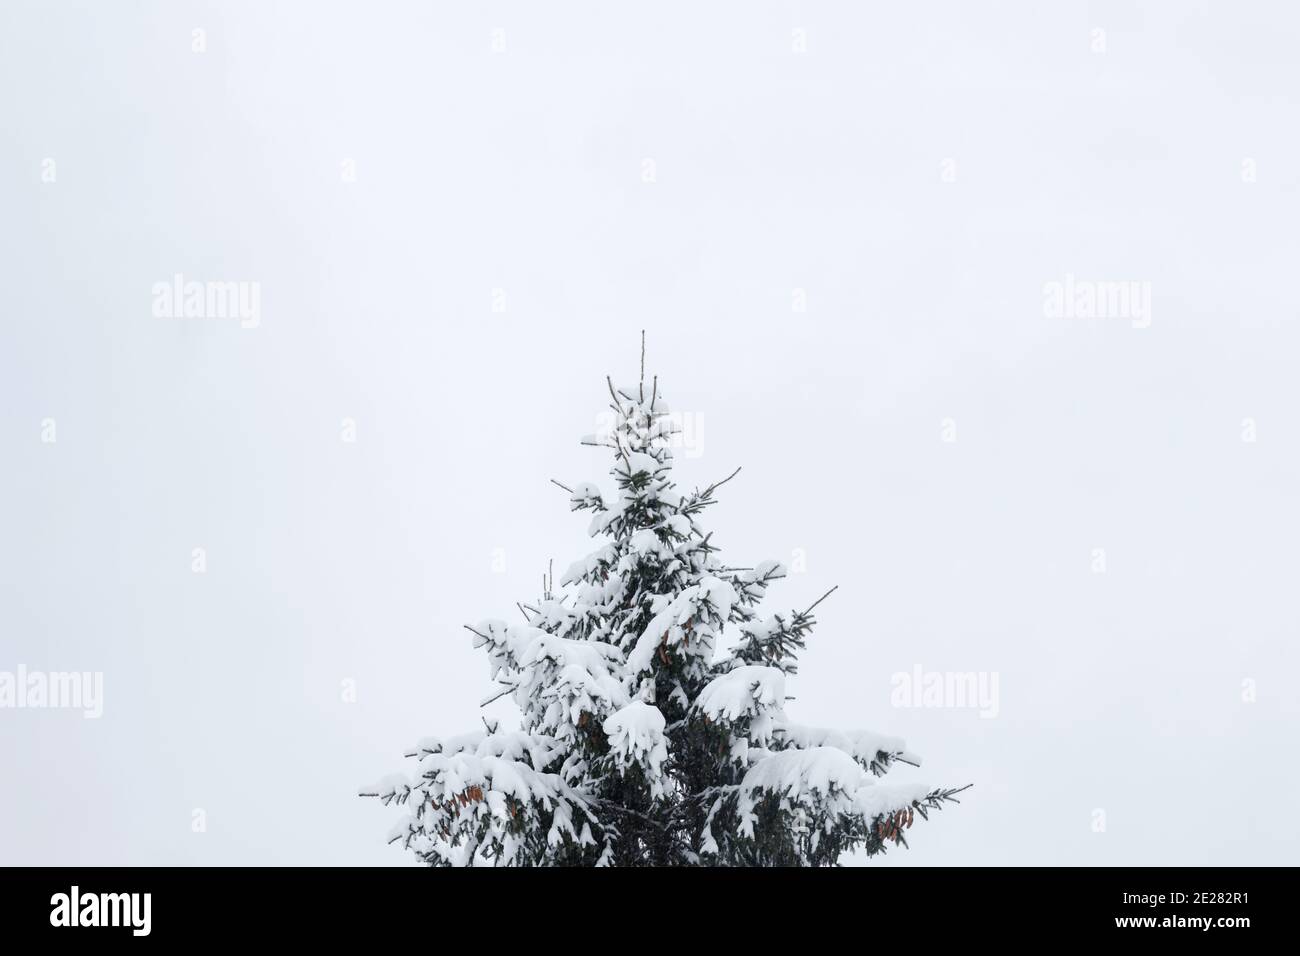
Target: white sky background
(522, 170)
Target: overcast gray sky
(838, 223)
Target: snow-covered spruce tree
(653, 698)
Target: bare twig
(718, 484)
(496, 697)
(820, 599)
(613, 394)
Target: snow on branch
(701, 609)
(467, 809)
(745, 692)
(564, 683)
(875, 752)
(636, 739)
(822, 790)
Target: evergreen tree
(653, 698)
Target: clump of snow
(823, 780)
(718, 595)
(561, 679)
(636, 736)
(705, 606)
(877, 799)
(639, 462)
(646, 541)
(764, 571)
(748, 691)
(463, 792)
(594, 563)
(517, 745)
(679, 525)
(863, 745)
(818, 771)
(586, 495)
(761, 630)
(450, 745)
